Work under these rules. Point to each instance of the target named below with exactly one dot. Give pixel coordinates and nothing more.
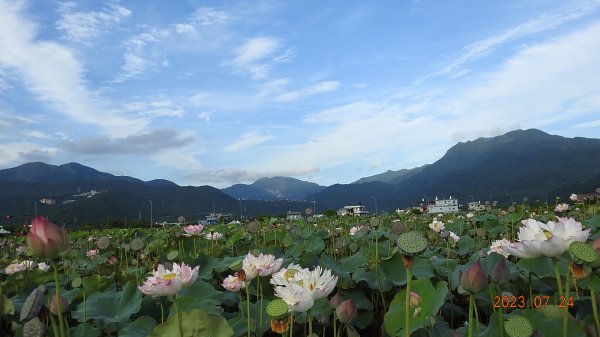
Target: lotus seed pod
(398, 227)
(280, 326)
(480, 232)
(137, 244)
(33, 303)
(412, 243)
(253, 226)
(518, 326)
(277, 309)
(34, 328)
(353, 247)
(103, 242)
(582, 253)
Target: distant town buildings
(48, 201)
(477, 206)
(293, 215)
(89, 194)
(443, 206)
(355, 210)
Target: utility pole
(151, 220)
(375, 199)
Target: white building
(356, 210)
(443, 206)
(476, 206)
(294, 215)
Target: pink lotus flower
(14, 268)
(92, 253)
(193, 230)
(561, 208)
(233, 283)
(46, 240)
(164, 282)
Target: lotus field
(520, 271)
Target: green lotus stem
(471, 306)
(566, 313)
(476, 315)
(377, 273)
(248, 305)
(558, 280)
(178, 317)
(162, 312)
(291, 324)
(84, 305)
(334, 326)
(310, 328)
(260, 292)
(407, 303)
(53, 325)
(58, 304)
(195, 252)
(594, 306)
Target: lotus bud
(474, 279)
(47, 240)
(415, 299)
(336, 300)
(346, 312)
(500, 274)
(64, 305)
(113, 260)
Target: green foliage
(195, 323)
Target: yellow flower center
(169, 277)
(290, 274)
(548, 234)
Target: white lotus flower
(261, 265)
(355, 230)
(437, 226)
(573, 197)
(550, 239)
(43, 266)
(300, 287)
(287, 275)
(298, 297)
(454, 237)
(497, 247)
(320, 281)
(213, 236)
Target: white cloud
(319, 88)
(84, 26)
(207, 16)
(16, 153)
(206, 116)
(256, 56)
(272, 87)
(589, 124)
(38, 134)
(544, 84)
(246, 141)
(185, 28)
(134, 66)
(227, 176)
(163, 107)
(52, 73)
(541, 23)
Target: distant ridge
(519, 164)
(274, 188)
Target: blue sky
(222, 92)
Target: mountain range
(508, 168)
